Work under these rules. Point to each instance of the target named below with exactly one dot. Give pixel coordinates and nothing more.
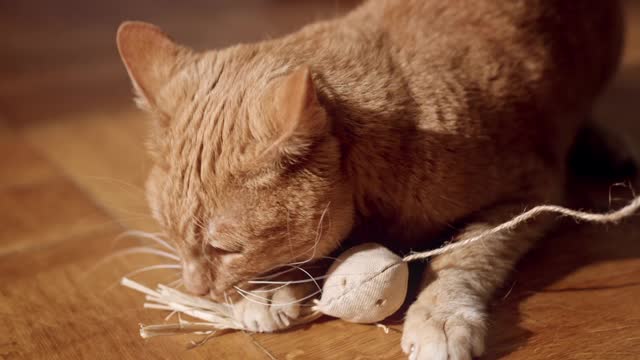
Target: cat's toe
(271, 312)
(256, 317)
(436, 335)
(285, 306)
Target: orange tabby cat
(412, 117)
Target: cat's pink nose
(194, 278)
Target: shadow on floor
(572, 247)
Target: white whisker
(277, 273)
(310, 277)
(288, 234)
(242, 291)
(154, 267)
(294, 264)
(150, 236)
(261, 290)
(314, 248)
(175, 283)
(144, 250)
(266, 282)
(274, 304)
(131, 186)
(198, 222)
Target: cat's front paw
(269, 311)
(443, 333)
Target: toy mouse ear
(151, 57)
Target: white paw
(255, 315)
(443, 334)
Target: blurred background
(72, 169)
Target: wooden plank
(335, 339)
(104, 154)
(576, 297)
(20, 164)
(61, 306)
(39, 205)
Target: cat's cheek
(232, 260)
(152, 193)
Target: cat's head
(247, 174)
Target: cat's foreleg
(448, 321)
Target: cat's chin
(223, 297)
(219, 299)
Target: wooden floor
(72, 165)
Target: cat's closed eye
(222, 248)
(222, 239)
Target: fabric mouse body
(365, 284)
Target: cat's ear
(296, 118)
(151, 57)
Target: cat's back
(505, 47)
(498, 68)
